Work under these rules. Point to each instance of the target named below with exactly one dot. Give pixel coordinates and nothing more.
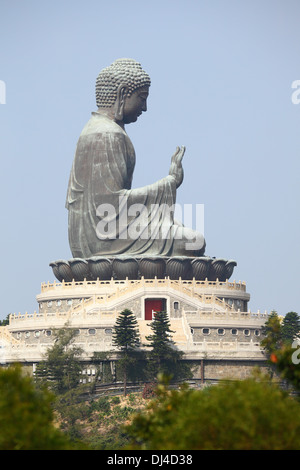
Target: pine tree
(290, 327)
(126, 338)
(163, 357)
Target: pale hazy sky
(222, 74)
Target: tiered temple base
(210, 321)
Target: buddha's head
(124, 87)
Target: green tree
(61, 367)
(281, 350)
(251, 414)
(163, 356)
(126, 338)
(5, 322)
(286, 362)
(26, 416)
(271, 332)
(290, 327)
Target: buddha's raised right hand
(176, 169)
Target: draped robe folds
(101, 178)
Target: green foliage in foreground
(244, 415)
(252, 414)
(26, 415)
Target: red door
(155, 305)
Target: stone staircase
(179, 336)
(7, 337)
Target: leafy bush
(115, 400)
(102, 404)
(246, 415)
(121, 413)
(26, 416)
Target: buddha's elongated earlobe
(120, 101)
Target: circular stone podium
(210, 320)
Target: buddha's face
(135, 104)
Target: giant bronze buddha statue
(107, 217)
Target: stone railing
(98, 284)
(96, 315)
(226, 346)
(215, 316)
(35, 352)
(61, 318)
